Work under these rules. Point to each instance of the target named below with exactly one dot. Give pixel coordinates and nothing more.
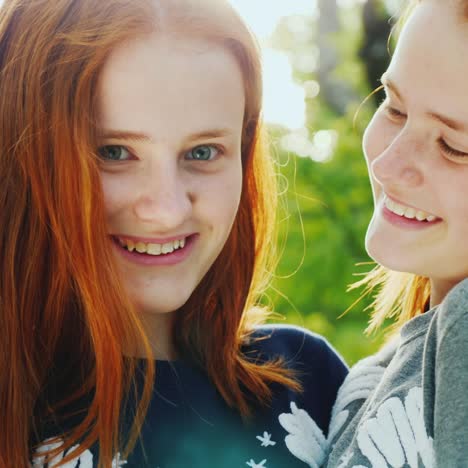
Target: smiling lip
(404, 204)
(169, 259)
(404, 222)
(153, 240)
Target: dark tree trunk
(336, 93)
(374, 50)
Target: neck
(158, 328)
(439, 289)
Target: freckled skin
(406, 158)
(170, 91)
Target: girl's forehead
(438, 24)
(148, 86)
(150, 45)
(430, 62)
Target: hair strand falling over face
(64, 313)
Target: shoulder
(304, 415)
(452, 313)
(309, 354)
(446, 378)
(447, 336)
(290, 340)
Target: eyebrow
(449, 122)
(144, 138)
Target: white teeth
(152, 249)
(399, 210)
(167, 248)
(421, 216)
(408, 212)
(392, 206)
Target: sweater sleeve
(450, 374)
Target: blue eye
(113, 153)
(202, 153)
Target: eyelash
(451, 151)
(124, 148)
(391, 110)
(445, 148)
(218, 150)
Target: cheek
(452, 196)
(221, 195)
(373, 143)
(116, 192)
(378, 137)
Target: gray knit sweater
(407, 406)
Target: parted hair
(64, 314)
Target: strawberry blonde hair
(398, 295)
(64, 313)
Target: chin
(401, 264)
(162, 309)
(385, 256)
(152, 307)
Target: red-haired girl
(407, 405)
(136, 210)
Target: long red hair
(64, 313)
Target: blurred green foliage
(326, 210)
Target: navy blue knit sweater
(189, 425)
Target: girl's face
(416, 148)
(171, 115)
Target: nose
(400, 164)
(164, 199)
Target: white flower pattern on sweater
(188, 421)
(305, 440)
(396, 436)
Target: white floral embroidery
(252, 464)
(305, 440)
(266, 439)
(345, 459)
(117, 462)
(358, 385)
(85, 460)
(396, 436)
(38, 461)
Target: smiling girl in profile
(136, 213)
(407, 406)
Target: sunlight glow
(284, 102)
(262, 16)
(320, 147)
(284, 99)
